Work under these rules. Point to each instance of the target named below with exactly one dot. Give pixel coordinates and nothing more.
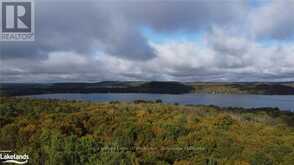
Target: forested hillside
(69, 132)
(161, 87)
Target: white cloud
(231, 49)
(273, 20)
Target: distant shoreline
(160, 87)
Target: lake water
(284, 102)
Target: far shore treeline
(162, 87)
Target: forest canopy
(74, 132)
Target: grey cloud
(113, 26)
(70, 33)
(183, 15)
(77, 26)
(274, 20)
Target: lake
(284, 102)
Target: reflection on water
(246, 101)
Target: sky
(155, 40)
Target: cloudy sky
(188, 40)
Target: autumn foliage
(71, 132)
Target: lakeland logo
(7, 157)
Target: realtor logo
(17, 20)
